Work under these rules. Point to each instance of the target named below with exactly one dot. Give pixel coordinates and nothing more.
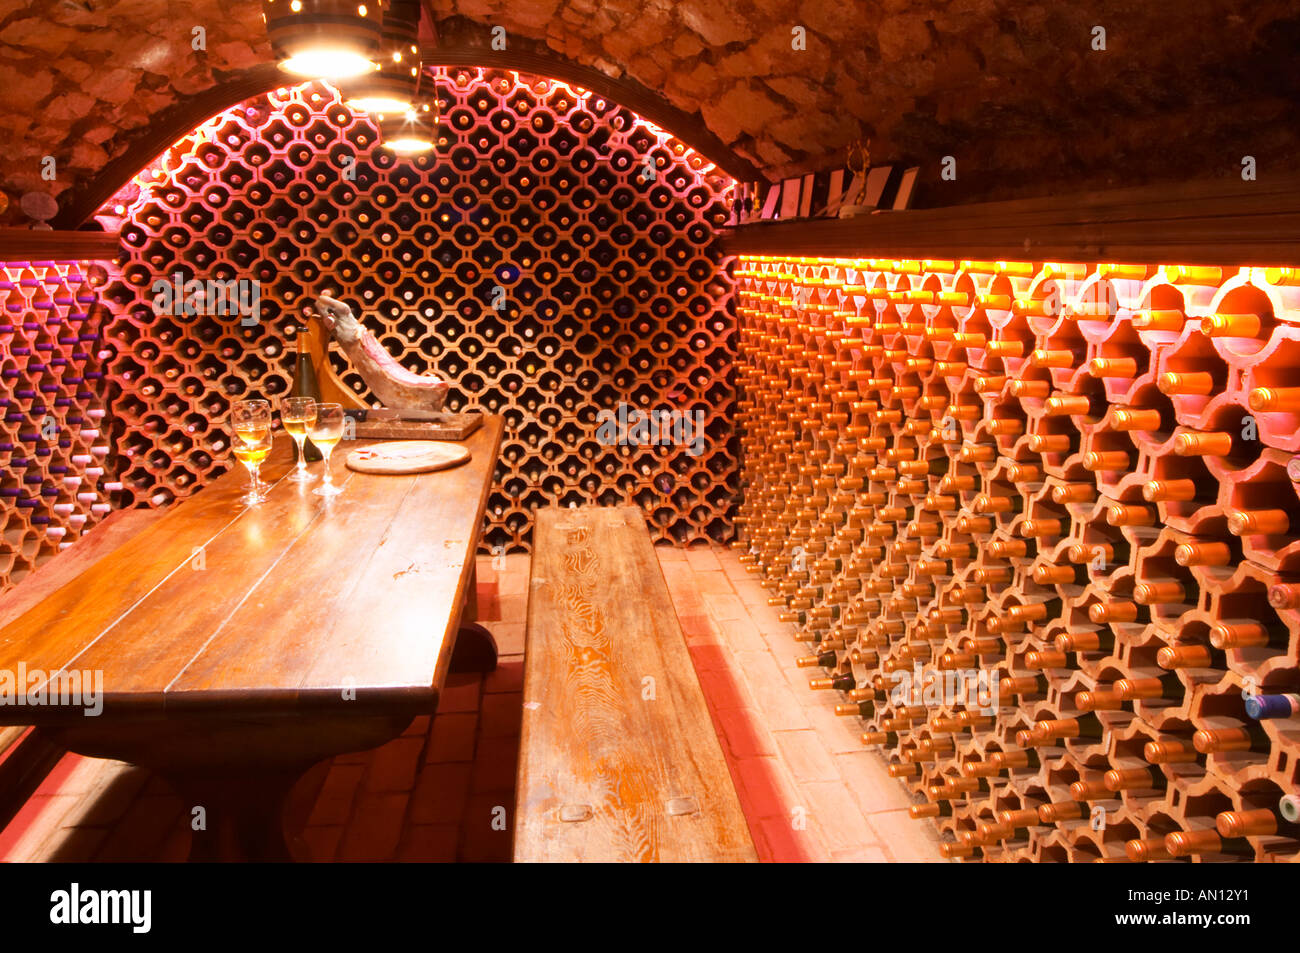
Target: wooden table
(241, 645)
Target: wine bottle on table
(306, 385)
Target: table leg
(241, 817)
(238, 769)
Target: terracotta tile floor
(444, 791)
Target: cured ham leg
(395, 386)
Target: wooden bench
(618, 757)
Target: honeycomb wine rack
(54, 478)
(1076, 478)
(556, 256)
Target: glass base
(328, 489)
(300, 476)
(252, 499)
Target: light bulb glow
(379, 104)
(327, 63)
(409, 145)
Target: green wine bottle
(306, 385)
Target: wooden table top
(291, 605)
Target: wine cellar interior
(1012, 455)
(610, 287)
(1070, 476)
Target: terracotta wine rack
(53, 451)
(1073, 480)
(554, 257)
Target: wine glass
(251, 422)
(325, 431)
(297, 414)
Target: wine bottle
(1286, 705)
(1059, 811)
(1190, 656)
(1249, 737)
(1140, 780)
(1187, 843)
(1140, 850)
(1283, 595)
(1022, 819)
(1082, 641)
(933, 809)
(1172, 751)
(1243, 633)
(823, 659)
(1258, 522)
(1264, 822)
(1085, 727)
(887, 738)
(306, 385)
(1289, 807)
(1093, 789)
(1137, 418)
(840, 683)
(1165, 686)
(1202, 553)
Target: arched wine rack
(557, 256)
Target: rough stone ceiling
(1012, 89)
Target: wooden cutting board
(407, 456)
(388, 425)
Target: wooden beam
(1226, 223)
(27, 244)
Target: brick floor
(444, 790)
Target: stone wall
(1011, 88)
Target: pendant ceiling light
(411, 132)
(390, 87)
(329, 39)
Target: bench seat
(618, 757)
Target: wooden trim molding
(29, 244)
(1210, 223)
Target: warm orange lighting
(379, 104)
(327, 63)
(410, 145)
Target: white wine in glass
(326, 431)
(297, 414)
(251, 442)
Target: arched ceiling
(1012, 89)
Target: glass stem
(326, 454)
(257, 482)
(302, 455)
